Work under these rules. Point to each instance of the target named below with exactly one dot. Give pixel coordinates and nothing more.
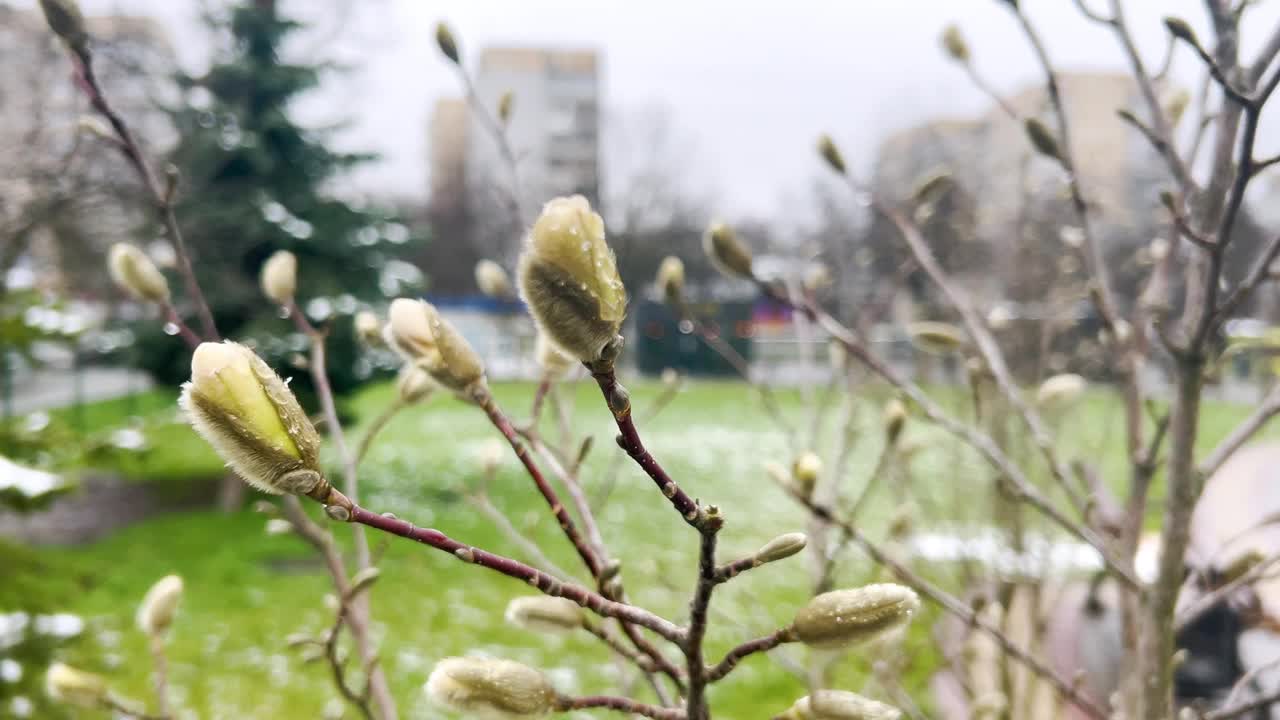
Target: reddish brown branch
(735, 656)
(621, 704)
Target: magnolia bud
(817, 277)
(569, 279)
(781, 547)
(94, 125)
(67, 22)
(894, 418)
(75, 687)
(1176, 106)
(1181, 29)
(831, 154)
(421, 336)
(505, 103)
(670, 378)
(492, 280)
(1061, 391)
(1041, 139)
(159, 606)
(845, 617)
(541, 613)
(445, 41)
(368, 328)
(363, 580)
(727, 252)
(954, 44)
(1000, 317)
(252, 420)
(279, 277)
(491, 454)
(498, 687)
(837, 355)
(936, 338)
(932, 186)
(839, 705)
(276, 527)
(133, 272)
(553, 362)
(414, 384)
(806, 470)
(670, 280)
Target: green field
(247, 591)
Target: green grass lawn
(246, 591)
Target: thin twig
(621, 704)
(160, 674)
(736, 655)
(1250, 426)
(528, 547)
(707, 581)
(379, 423)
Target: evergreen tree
(254, 181)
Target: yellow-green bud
(839, 705)
(421, 336)
(368, 328)
(541, 613)
(1042, 139)
(954, 44)
(505, 103)
(831, 154)
(936, 338)
(447, 44)
(75, 687)
(1177, 106)
(553, 362)
(1181, 29)
(817, 277)
(492, 280)
(670, 280)
(1061, 391)
(413, 384)
(781, 548)
(279, 277)
(727, 252)
(498, 687)
(160, 605)
(806, 470)
(845, 617)
(894, 418)
(569, 279)
(67, 22)
(248, 414)
(133, 272)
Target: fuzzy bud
(541, 613)
(569, 279)
(492, 280)
(839, 705)
(1042, 139)
(894, 418)
(831, 154)
(552, 361)
(93, 125)
(954, 44)
(1177, 105)
(1181, 29)
(160, 605)
(936, 338)
(253, 421)
(368, 328)
(133, 272)
(75, 687)
(499, 688)
(806, 470)
(781, 548)
(279, 277)
(421, 336)
(1061, 391)
(447, 44)
(506, 103)
(817, 277)
(670, 279)
(413, 384)
(727, 252)
(846, 617)
(67, 22)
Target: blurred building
(447, 155)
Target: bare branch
(1243, 433)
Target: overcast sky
(749, 83)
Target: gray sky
(749, 83)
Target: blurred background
(336, 130)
